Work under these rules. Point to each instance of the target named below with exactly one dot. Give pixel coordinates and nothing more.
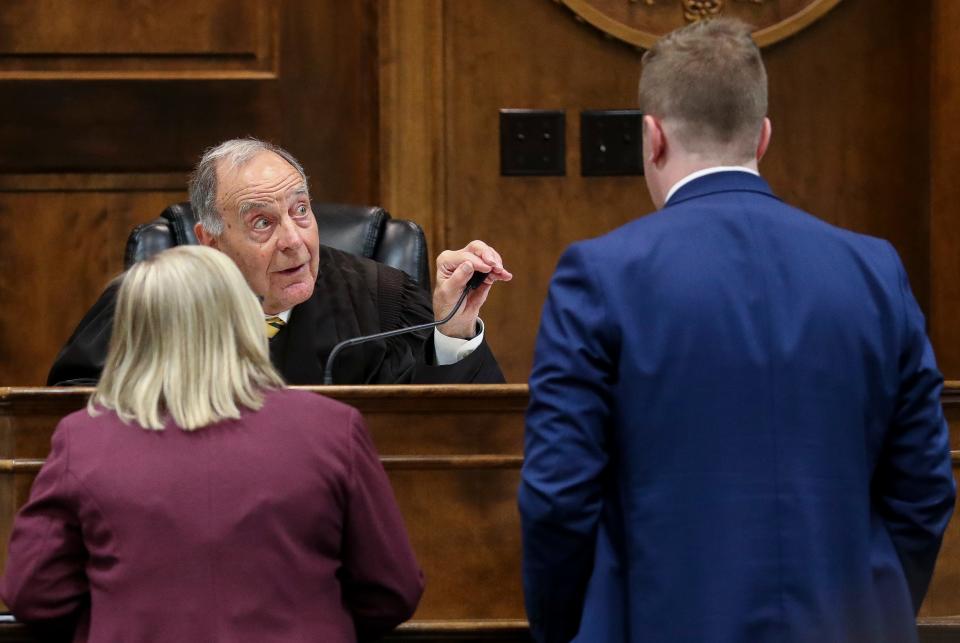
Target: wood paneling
(59, 251)
(102, 137)
(946, 630)
(412, 144)
(848, 100)
(49, 39)
(453, 454)
(469, 517)
(943, 598)
(528, 54)
(126, 126)
(325, 107)
(944, 186)
(458, 631)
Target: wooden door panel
(108, 104)
(59, 251)
(121, 39)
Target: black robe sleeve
(353, 297)
(81, 359)
(415, 307)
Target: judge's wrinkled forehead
(265, 180)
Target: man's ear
(204, 237)
(766, 131)
(653, 135)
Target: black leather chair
(368, 231)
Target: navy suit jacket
(734, 432)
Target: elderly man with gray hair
(252, 202)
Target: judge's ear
(655, 144)
(204, 237)
(766, 131)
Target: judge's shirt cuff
(450, 350)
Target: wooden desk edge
(10, 394)
(337, 392)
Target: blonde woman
(197, 499)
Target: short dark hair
(708, 79)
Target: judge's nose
(288, 235)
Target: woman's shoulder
(289, 400)
(84, 420)
(311, 420)
(84, 431)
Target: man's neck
(709, 169)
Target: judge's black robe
(353, 296)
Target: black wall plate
(532, 142)
(611, 142)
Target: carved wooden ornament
(643, 22)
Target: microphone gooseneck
(474, 282)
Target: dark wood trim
(941, 629)
(420, 462)
(951, 394)
(395, 398)
(932, 630)
(259, 61)
(462, 631)
(20, 465)
(95, 182)
(390, 462)
(943, 247)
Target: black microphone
(474, 283)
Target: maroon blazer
(279, 526)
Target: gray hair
(235, 153)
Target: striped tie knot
(274, 324)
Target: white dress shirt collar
(710, 170)
(285, 315)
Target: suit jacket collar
(721, 182)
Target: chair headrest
(182, 222)
(368, 231)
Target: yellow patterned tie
(274, 324)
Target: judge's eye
(302, 209)
(261, 223)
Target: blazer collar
(721, 182)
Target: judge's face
(269, 230)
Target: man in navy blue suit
(735, 431)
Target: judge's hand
(454, 269)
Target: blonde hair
(708, 78)
(188, 342)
